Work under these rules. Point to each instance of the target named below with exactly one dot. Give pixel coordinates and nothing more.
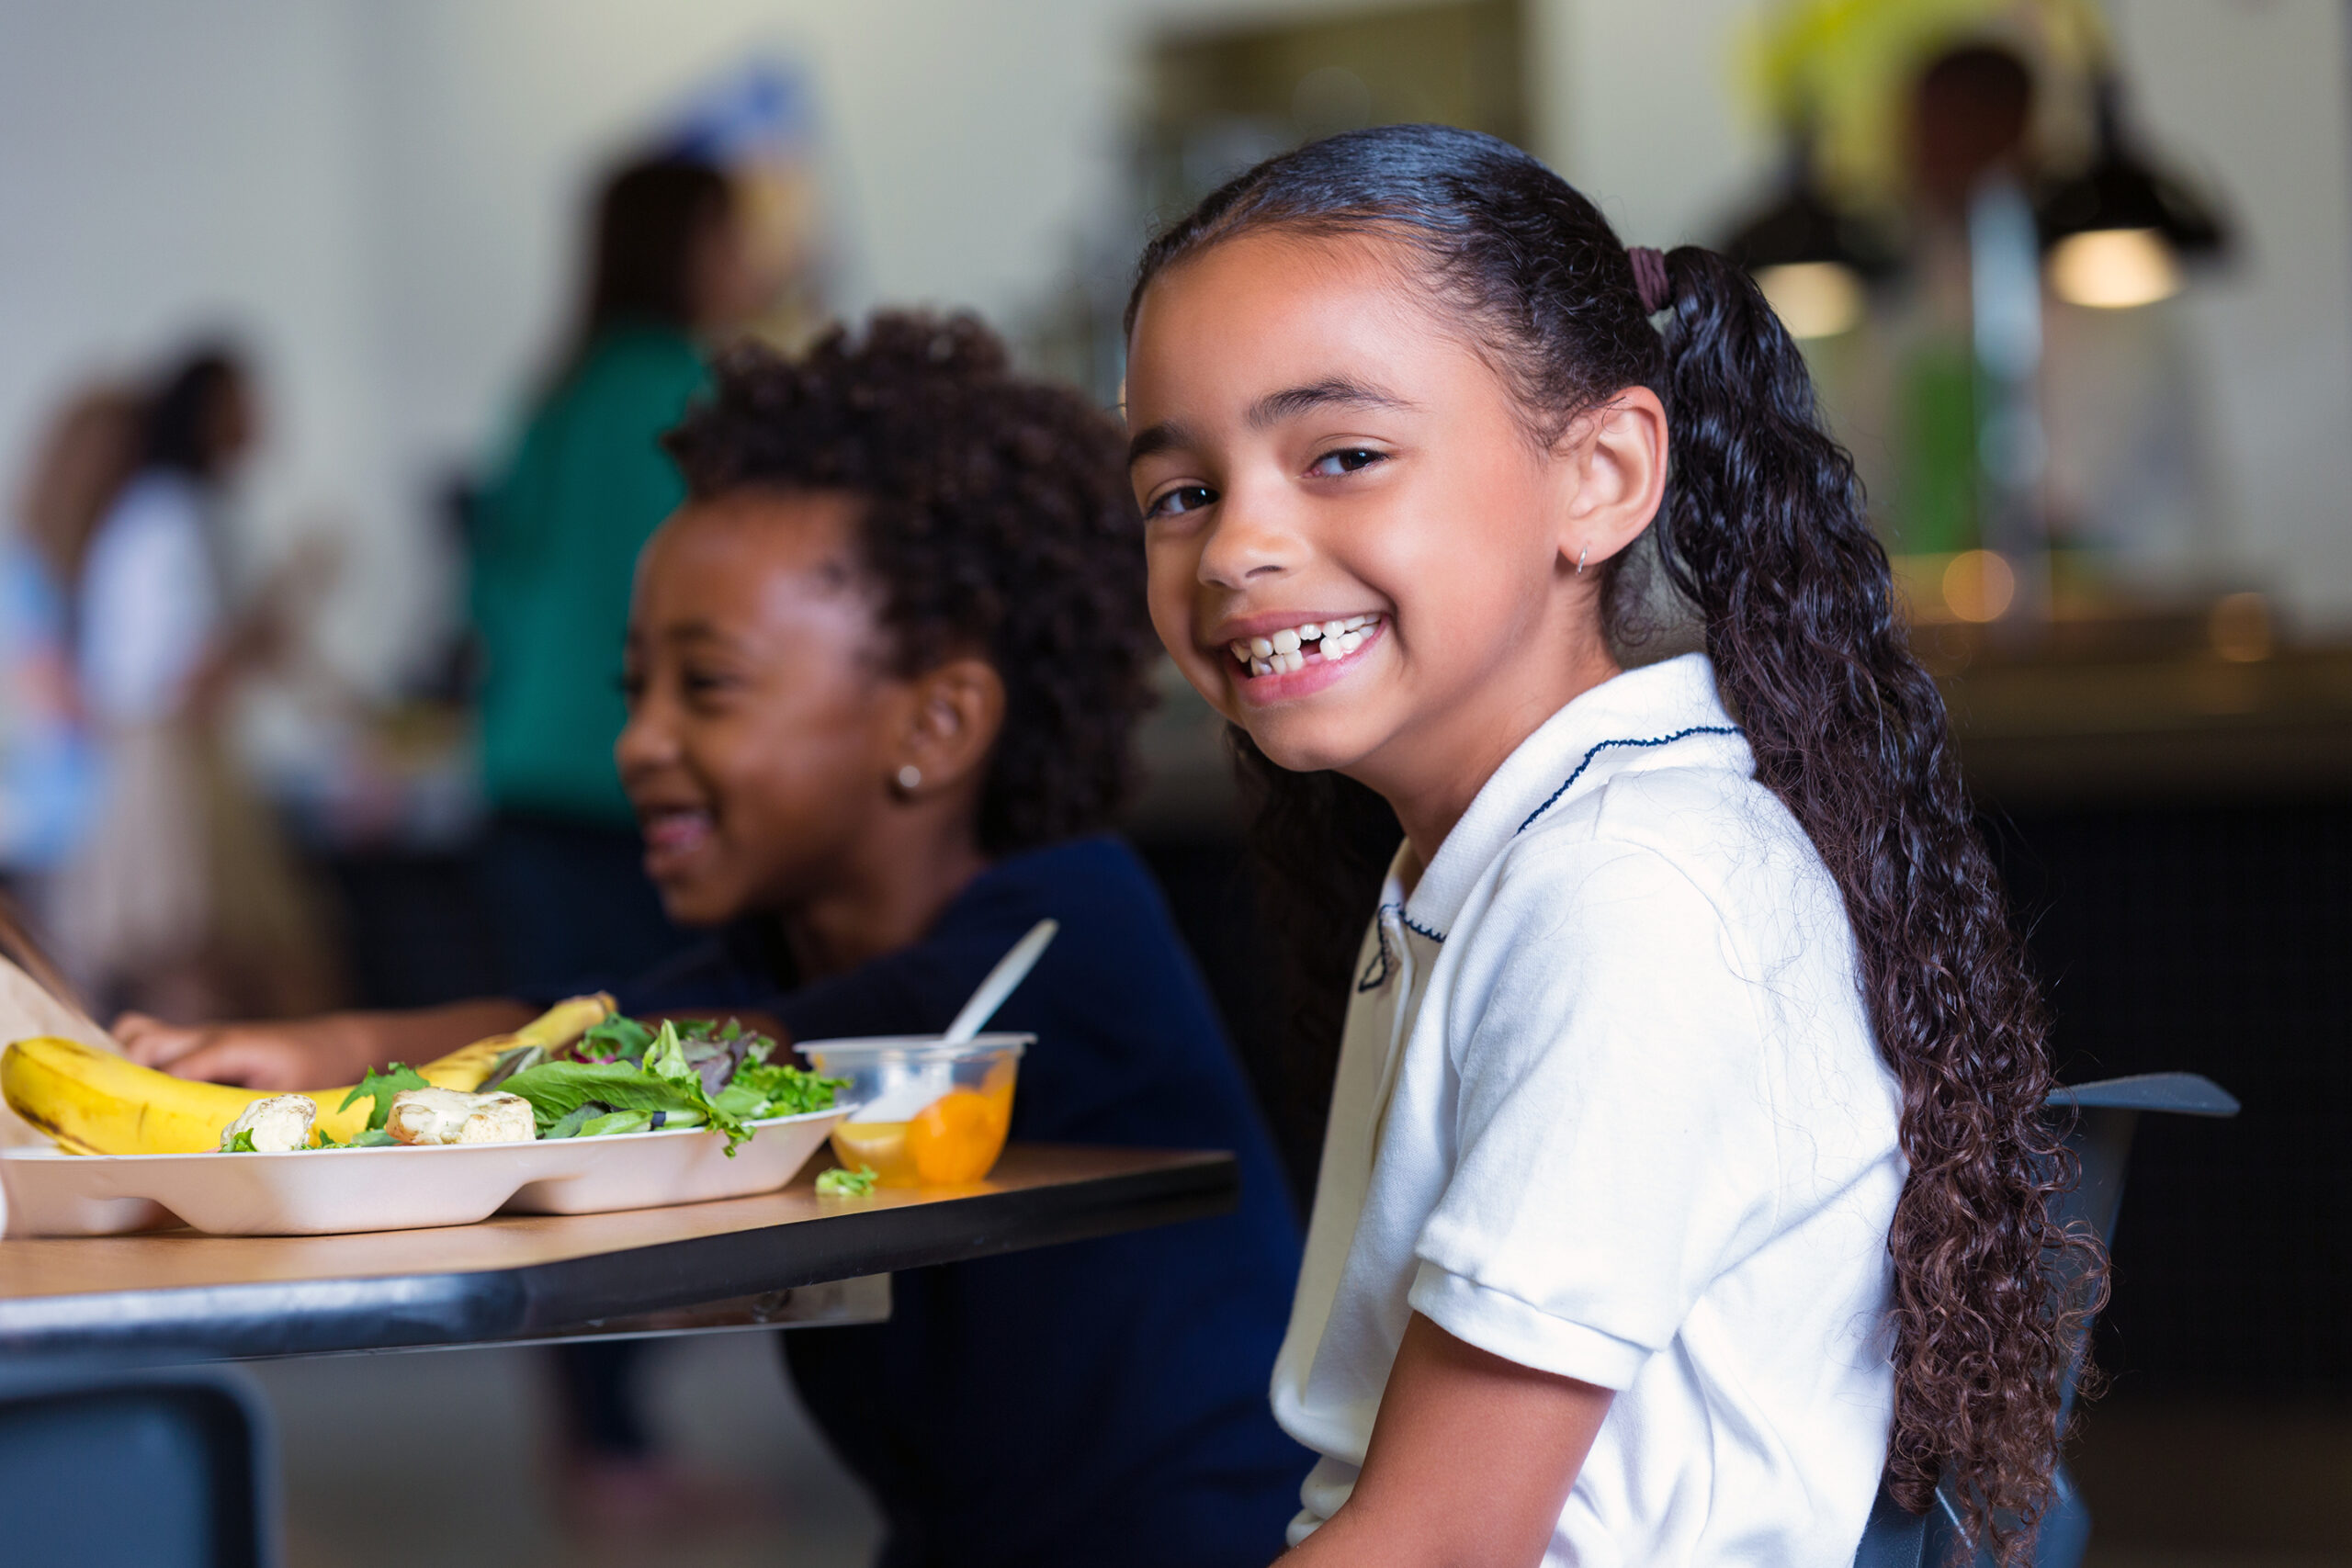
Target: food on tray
(624, 1076)
(620, 1076)
(954, 1139)
(453, 1116)
(840, 1183)
(577, 1071)
(91, 1101)
(278, 1124)
(931, 1111)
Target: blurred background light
(1816, 298)
(1979, 586)
(2113, 269)
(2240, 629)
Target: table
(179, 1296)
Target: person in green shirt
(556, 536)
(556, 539)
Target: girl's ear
(1616, 458)
(952, 722)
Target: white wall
(1646, 116)
(385, 195)
(2252, 95)
(166, 169)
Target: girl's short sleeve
(1614, 1138)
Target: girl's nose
(1251, 540)
(647, 741)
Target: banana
(91, 1101)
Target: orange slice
(955, 1138)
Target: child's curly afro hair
(995, 518)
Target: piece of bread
(453, 1116)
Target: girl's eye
(1182, 499)
(1346, 460)
(704, 683)
(632, 684)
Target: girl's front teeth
(1282, 651)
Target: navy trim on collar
(1657, 740)
(1552, 799)
(1375, 972)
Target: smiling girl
(1685, 1170)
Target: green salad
(624, 1075)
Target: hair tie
(1649, 278)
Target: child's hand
(313, 1053)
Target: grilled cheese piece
(280, 1124)
(452, 1116)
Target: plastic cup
(927, 1113)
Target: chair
(115, 1468)
(2108, 1112)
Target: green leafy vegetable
(625, 1073)
(380, 1087)
(556, 1090)
(617, 1039)
(509, 1063)
(568, 1125)
(241, 1144)
(762, 1089)
(371, 1138)
(666, 1057)
(840, 1183)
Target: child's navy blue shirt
(1098, 1403)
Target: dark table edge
(410, 1311)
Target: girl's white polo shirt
(1608, 1105)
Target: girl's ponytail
(1763, 533)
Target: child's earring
(910, 779)
(1580, 555)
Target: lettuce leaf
(371, 1138)
(617, 1039)
(666, 1057)
(508, 1064)
(840, 1183)
(556, 1090)
(760, 1089)
(380, 1087)
(568, 1125)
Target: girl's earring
(910, 779)
(1580, 555)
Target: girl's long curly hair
(1762, 534)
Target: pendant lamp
(2117, 233)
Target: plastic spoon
(1010, 971)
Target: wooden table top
(181, 1295)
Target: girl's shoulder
(1689, 822)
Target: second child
(882, 668)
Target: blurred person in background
(183, 900)
(555, 553)
(49, 780)
(555, 546)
